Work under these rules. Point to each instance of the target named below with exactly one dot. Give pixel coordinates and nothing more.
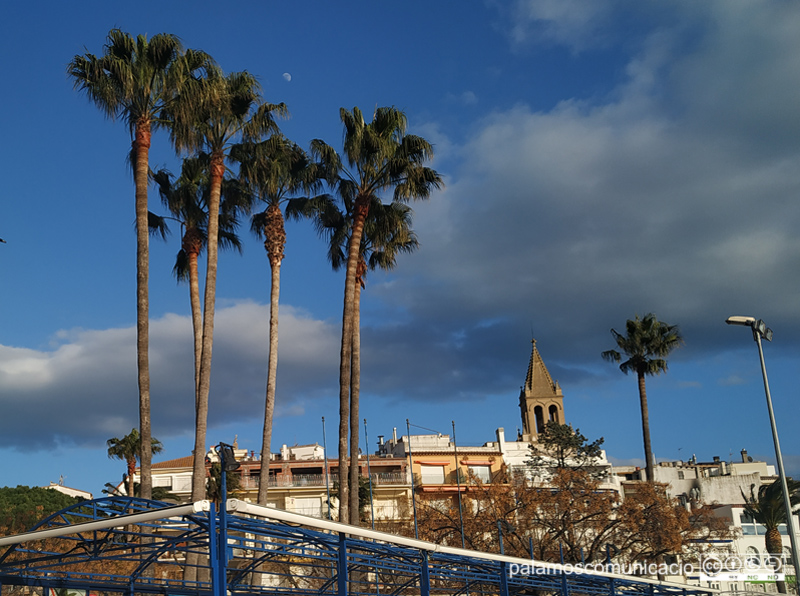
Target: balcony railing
(318, 480)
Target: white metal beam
(112, 522)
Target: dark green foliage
(646, 343)
(559, 444)
(22, 507)
(214, 485)
(363, 495)
(186, 197)
(767, 508)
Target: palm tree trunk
(197, 318)
(648, 451)
(345, 362)
(355, 387)
(204, 385)
(774, 546)
(141, 147)
(192, 559)
(345, 365)
(272, 374)
(131, 464)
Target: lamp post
(760, 330)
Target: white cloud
(84, 391)
(731, 381)
(576, 23)
(467, 98)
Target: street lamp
(760, 330)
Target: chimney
(716, 459)
(501, 440)
(744, 456)
(380, 440)
(394, 435)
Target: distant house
(72, 492)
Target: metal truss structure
(121, 545)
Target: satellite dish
(750, 458)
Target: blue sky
(601, 159)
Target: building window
(538, 413)
(308, 506)
(751, 528)
(752, 559)
(432, 474)
(482, 473)
(162, 481)
(182, 484)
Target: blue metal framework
(126, 545)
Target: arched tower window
(538, 413)
(553, 411)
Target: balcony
(318, 480)
(448, 479)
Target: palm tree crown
(768, 509)
(136, 78)
(128, 449)
(646, 344)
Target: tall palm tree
(276, 169)
(381, 158)
(210, 115)
(127, 449)
(387, 233)
(646, 344)
(136, 79)
(768, 509)
(186, 198)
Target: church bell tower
(540, 399)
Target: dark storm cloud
(678, 196)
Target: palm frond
(646, 343)
(157, 225)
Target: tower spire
(540, 399)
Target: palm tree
(275, 169)
(769, 510)
(128, 449)
(211, 114)
(135, 79)
(646, 344)
(387, 233)
(381, 158)
(186, 198)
